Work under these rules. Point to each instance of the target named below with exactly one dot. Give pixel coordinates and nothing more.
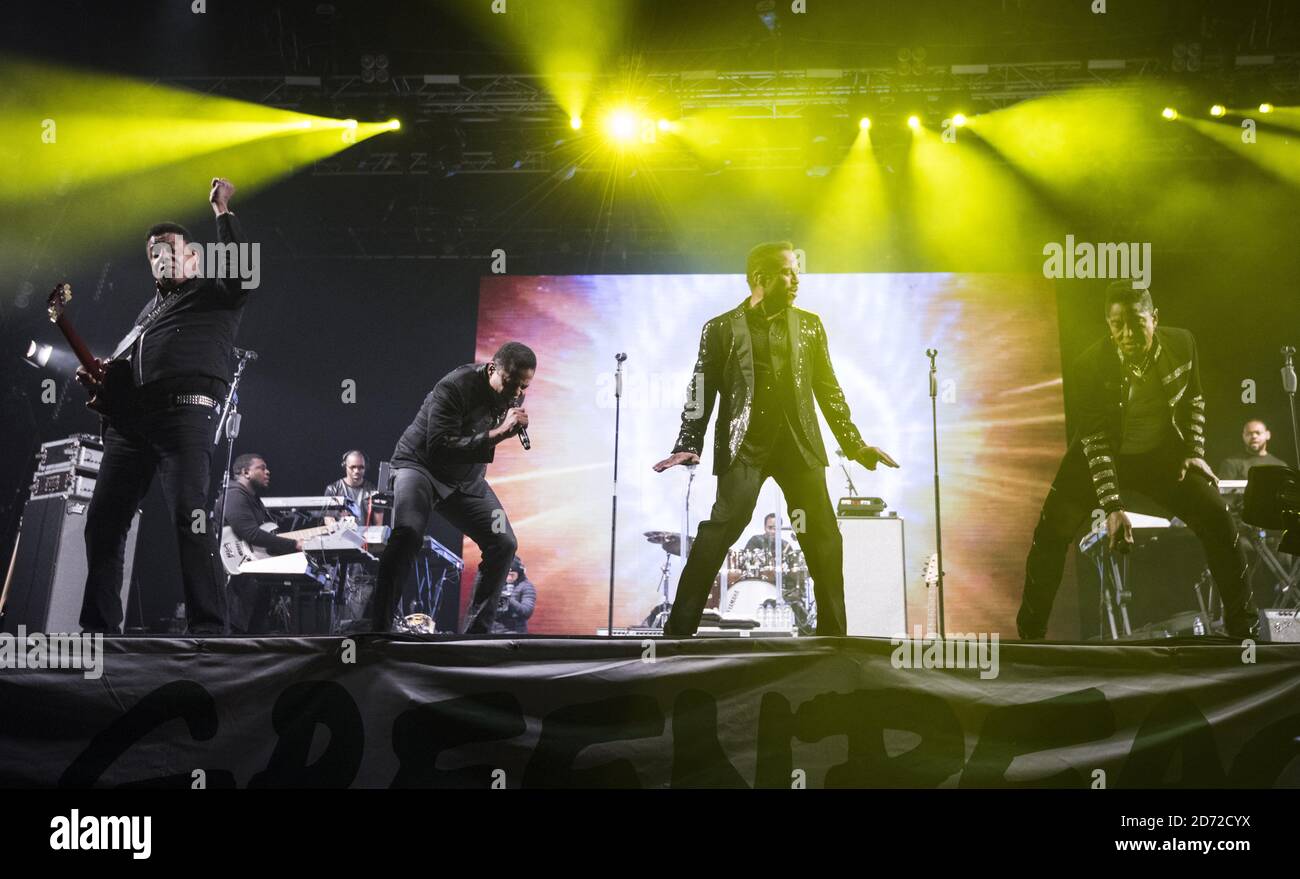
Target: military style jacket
(1103, 390)
(724, 369)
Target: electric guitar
(931, 575)
(235, 551)
(109, 382)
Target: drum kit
(749, 592)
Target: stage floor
(537, 711)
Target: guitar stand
(1113, 573)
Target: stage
(543, 712)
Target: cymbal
(671, 541)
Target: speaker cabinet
(47, 577)
(875, 579)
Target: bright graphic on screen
(1000, 414)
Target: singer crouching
(441, 464)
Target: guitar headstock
(931, 572)
(60, 296)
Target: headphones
(343, 462)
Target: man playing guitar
(163, 418)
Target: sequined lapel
(744, 347)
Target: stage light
(1169, 113)
(959, 119)
(864, 123)
(1218, 110)
(575, 122)
(306, 123)
(914, 122)
(394, 124)
(1266, 107)
(621, 125)
(349, 123)
(667, 125)
(38, 355)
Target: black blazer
(724, 369)
(1102, 385)
(448, 440)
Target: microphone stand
(938, 527)
(1289, 385)
(848, 477)
(228, 424)
(613, 518)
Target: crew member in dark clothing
(767, 361)
(180, 366)
(1254, 440)
(441, 464)
(1141, 426)
(518, 600)
(246, 514)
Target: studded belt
(194, 400)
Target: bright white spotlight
(1266, 107)
(1169, 113)
(959, 119)
(622, 125)
(864, 123)
(914, 122)
(1218, 110)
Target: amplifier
(64, 482)
(1276, 624)
(875, 578)
(47, 577)
(81, 451)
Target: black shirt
(245, 514)
(188, 349)
(773, 384)
(1239, 468)
(448, 440)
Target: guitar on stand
(931, 577)
(109, 382)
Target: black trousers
(175, 443)
(482, 519)
(1072, 500)
(805, 490)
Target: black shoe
(1241, 627)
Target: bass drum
(747, 597)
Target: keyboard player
(358, 575)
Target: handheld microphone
(523, 431)
(245, 352)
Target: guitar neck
(79, 348)
(305, 533)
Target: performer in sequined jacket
(1141, 427)
(766, 362)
